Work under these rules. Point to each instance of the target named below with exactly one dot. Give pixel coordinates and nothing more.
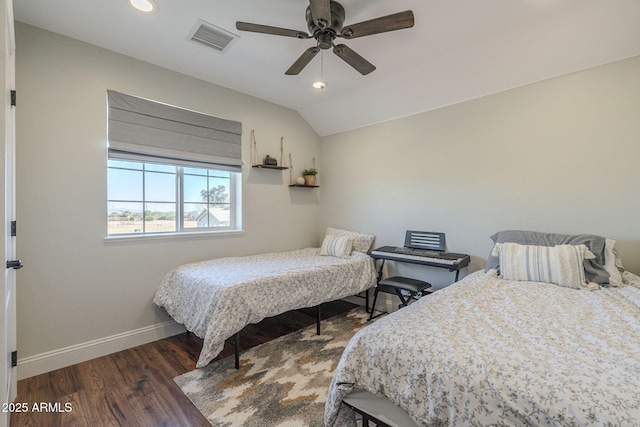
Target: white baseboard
(355, 300)
(56, 359)
(386, 302)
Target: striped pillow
(338, 246)
(561, 264)
(361, 241)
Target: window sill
(171, 236)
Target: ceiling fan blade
(397, 21)
(302, 62)
(321, 12)
(266, 29)
(356, 61)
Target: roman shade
(144, 130)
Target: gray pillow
(594, 268)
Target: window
(148, 198)
(170, 170)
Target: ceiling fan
(325, 20)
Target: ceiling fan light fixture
(145, 6)
(319, 84)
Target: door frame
(7, 186)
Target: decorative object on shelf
(270, 161)
(309, 176)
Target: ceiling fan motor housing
(326, 35)
(326, 26)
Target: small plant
(271, 161)
(310, 172)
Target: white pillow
(338, 246)
(361, 241)
(561, 264)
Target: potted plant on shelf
(270, 161)
(310, 176)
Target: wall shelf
(270, 167)
(305, 186)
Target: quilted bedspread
(488, 351)
(217, 298)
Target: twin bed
(216, 299)
(548, 334)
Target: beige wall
(75, 287)
(558, 156)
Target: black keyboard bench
(397, 284)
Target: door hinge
(14, 228)
(14, 358)
(13, 98)
(16, 264)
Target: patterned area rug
(282, 383)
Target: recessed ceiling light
(146, 6)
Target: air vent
(212, 36)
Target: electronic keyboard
(450, 260)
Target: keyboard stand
(395, 285)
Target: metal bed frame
(236, 336)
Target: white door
(7, 210)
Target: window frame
(234, 191)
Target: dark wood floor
(135, 387)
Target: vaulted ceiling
(457, 50)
